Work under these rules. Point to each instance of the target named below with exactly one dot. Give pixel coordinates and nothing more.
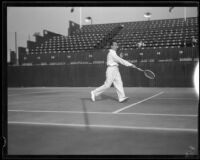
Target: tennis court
(64, 121)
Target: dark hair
(111, 43)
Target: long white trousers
(112, 76)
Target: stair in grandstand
(109, 37)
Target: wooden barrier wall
(168, 74)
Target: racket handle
(140, 69)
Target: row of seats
(128, 35)
(158, 37)
(159, 32)
(149, 43)
(132, 31)
(89, 37)
(141, 54)
(153, 24)
(174, 49)
(120, 50)
(123, 41)
(78, 44)
(121, 45)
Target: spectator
(184, 43)
(194, 41)
(140, 44)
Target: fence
(168, 74)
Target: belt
(113, 66)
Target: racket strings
(149, 74)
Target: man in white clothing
(113, 74)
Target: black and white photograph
(96, 79)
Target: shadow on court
(86, 118)
(106, 97)
(85, 110)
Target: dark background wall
(168, 74)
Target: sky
(25, 21)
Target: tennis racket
(148, 73)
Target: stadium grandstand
(171, 38)
(166, 42)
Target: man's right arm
(122, 61)
(125, 62)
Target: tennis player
(113, 75)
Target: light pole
(88, 19)
(80, 15)
(16, 50)
(147, 15)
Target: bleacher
(157, 33)
(168, 39)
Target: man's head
(114, 45)
(193, 37)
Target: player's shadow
(86, 118)
(105, 97)
(85, 111)
(102, 97)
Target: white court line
(105, 126)
(119, 110)
(81, 112)
(47, 90)
(33, 93)
(60, 91)
(192, 99)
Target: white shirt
(113, 59)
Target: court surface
(64, 121)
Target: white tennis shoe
(124, 99)
(92, 96)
